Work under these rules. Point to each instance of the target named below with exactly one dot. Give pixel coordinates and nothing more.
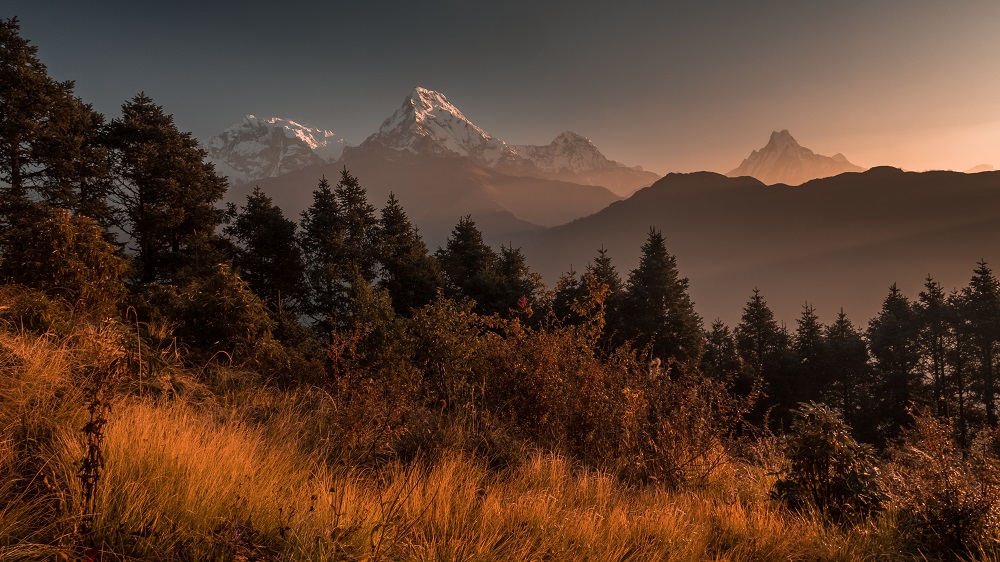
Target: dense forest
(180, 380)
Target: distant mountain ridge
(832, 242)
(784, 160)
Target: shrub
(829, 471)
(67, 258)
(944, 501)
(215, 313)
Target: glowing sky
(678, 87)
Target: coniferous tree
(659, 311)
(978, 308)
(165, 193)
(321, 240)
(360, 229)
(602, 271)
(810, 349)
(267, 253)
(934, 338)
(764, 352)
(407, 272)
(893, 345)
(469, 265)
(849, 389)
(721, 360)
(49, 139)
(516, 286)
(569, 290)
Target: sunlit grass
(248, 475)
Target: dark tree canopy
(407, 272)
(267, 253)
(657, 307)
(164, 191)
(49, 138)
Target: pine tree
(602, 271)
(360, 228)
(848, 390)
(810, 349)
(321, 239)
(516, 286)
(49, 139)
(469, 265)
(268, 256)
(892, 342)
(934, 337)
(765, 355)
(659, 311)
(407, 272)
(165, 192)
(979, 319)
(721, 360)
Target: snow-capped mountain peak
(568, 151)
(428, 123)
(784, 160)
(262, 147)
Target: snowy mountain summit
(784, 160)
(427, 123)
(267, 147)
(569, 151)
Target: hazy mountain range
(833, 242)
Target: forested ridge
(183, 380)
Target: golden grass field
(246, 473)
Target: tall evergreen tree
(848, 390)
(659, 311)
(721, 360)
(810, 349)
(267, 252)
(165, 191)
(321, 240)
(764, 350)
(49, 139)
(979, 320)
(407, 272)
(469, 265)
(892, 342)
(516, 286)
(603, 271)
(360, 228)
(934, 338)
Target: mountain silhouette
(834, 242)
(784, 160)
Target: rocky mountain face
(783, 160)
(428, 124)
(267, 147)
(573, 157)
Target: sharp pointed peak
(782, 138)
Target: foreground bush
(946, 502)
(829, 471)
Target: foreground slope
(835, 242)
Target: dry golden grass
(245, 476)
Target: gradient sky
(674, 87)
